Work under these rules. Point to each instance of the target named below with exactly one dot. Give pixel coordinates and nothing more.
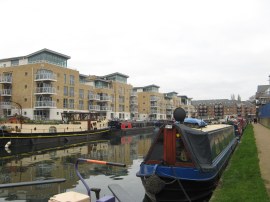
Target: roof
(262, 88)
(50, 51)
(116, 73)
(37, 52)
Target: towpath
(262, 136)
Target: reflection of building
(220, 108)
(50, 163)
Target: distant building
(220, 108)
(263, 94)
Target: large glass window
(81, 93)
(14, 62)
(49, 58)
(65, 103)
(71, 104)
(81, 104)
(71, 92)
(71, 80)
(65, 91)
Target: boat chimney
(179, 114)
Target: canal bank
(262, 136)
(243, 179)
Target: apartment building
(41, 86)
(220, 108)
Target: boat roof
(212, 127)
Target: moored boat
(73, 129)
(185, 164)
(131, 127)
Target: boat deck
(213, 127)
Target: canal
(44, 162)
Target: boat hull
(26, 139)
(182, 190)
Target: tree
(238, 98)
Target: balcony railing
(154, 99)
(134, 94)
(134, 102)
(154, 105)
(45, 76)
(105, 98)
(5, 79)
(45, 104)
(45, 90)
(93, 97)
(105, 108)
(5, 105)
(94, 108)
(154, 112)
(6, 92)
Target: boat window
(181, 152)
(52, 129)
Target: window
(25, 86)
(65, 78)
(71, 104)
(65, 91)
(81, 104)
(81, 93)
(25, 73)
(25, 99)
(71, 92)
(65, 103)
(71, 80)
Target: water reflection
(35, 163)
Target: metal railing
(45, 104)
(45, 76)
(45, 90)
(6, 92)
(5, 79)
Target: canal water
(44, 162)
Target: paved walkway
(262, 136)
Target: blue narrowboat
(185, 164)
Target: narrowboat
(185, 164)
(76, 127)
(131, 127)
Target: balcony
(45, 90)
(45, 77)
(154, 99)
(105, 98)
(5, 79)
(134, 102)
(154, 112)
(134, 94)
(94, 108)
(5, 105)
(154, 105)
(45, 104)
(93, 97)
(6, 92)
(105, 108)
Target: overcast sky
(199, 48)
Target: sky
(202, 49)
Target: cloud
(202, 49)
